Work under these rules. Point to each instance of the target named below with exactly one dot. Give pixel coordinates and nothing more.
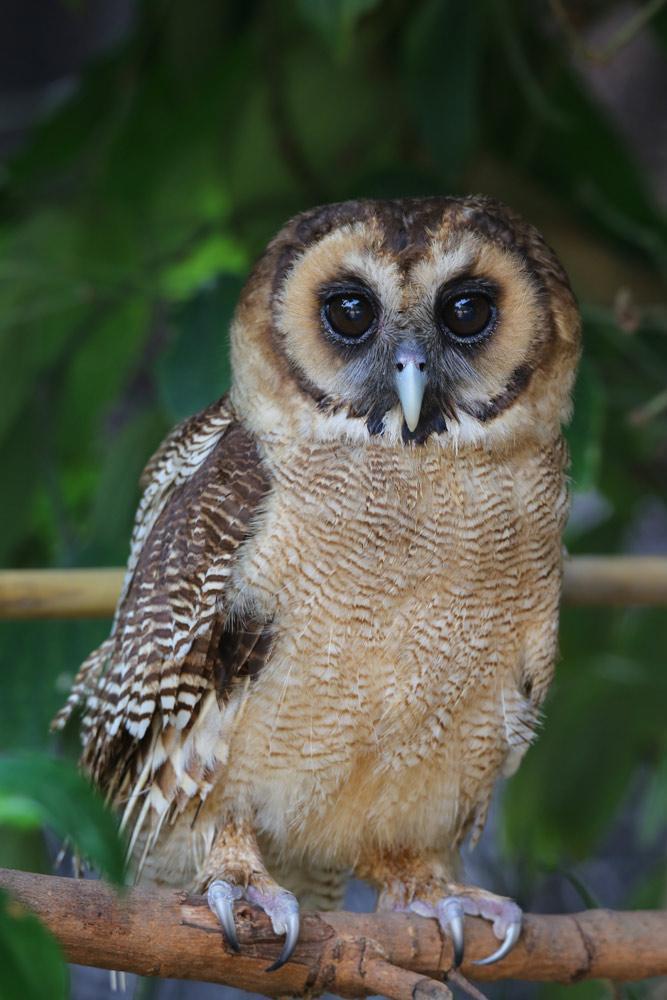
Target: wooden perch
(59, 593)
(92, 593)
(156, 932)
(616, 580)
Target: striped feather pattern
(147, 680)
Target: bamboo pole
(59, 593)
(612, 581)
(156, 932)
(616, 580)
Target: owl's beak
(411, 379)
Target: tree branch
(156, 932)
(92, 593)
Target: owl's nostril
(410, 355)
(419, 365)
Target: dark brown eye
(349, 314)
(467, 315)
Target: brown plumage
(339, 620)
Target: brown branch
(92, 593)
(170, 934)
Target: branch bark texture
(164, 933)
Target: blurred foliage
(23, 976)
(129, 219)
(37, 792)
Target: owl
(339, 619)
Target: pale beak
(411, 381)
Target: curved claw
(221, 896)
(450, 917)
(290, 923)
(511, 938)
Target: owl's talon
(449, 911)
(511, 937)
(282, 908)
(221, 897)
(450, 917)
(291, 937)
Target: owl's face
(407, 321)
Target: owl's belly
(334, 754)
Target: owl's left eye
(466, 314)
(349, 314)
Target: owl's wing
(171, 640)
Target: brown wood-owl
(339, 619)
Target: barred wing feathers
(169, 645)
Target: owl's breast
(401, 604)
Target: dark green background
(128, 220)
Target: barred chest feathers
(410, 658)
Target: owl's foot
(234, 870)
(421, 883)
(280, 905)
(449, 911)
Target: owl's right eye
(350, 315)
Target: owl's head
(439, 320)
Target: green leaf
(649, 894)
(585, 432)
(255, 145)
(355, 121)
(20, 811)
(42, 298)
(653, 809)
(210, 257)
(31, 962)
(609, 681)
(516, 58)
(18, 457)
(442, 53)
(24, 849)
(39, 660)
(118, 492)
(194, 370)
(68, 804)
(588, 898)
(97, 374)
(335, 20)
